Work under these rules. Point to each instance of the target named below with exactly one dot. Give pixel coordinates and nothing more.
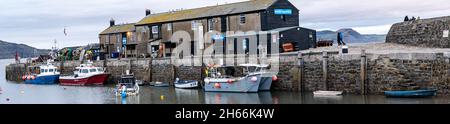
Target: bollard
(363, 72)
(325, 69)
(300, 71)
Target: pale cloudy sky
(39, 22)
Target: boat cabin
(128, 81)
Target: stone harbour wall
(432, 32)
(352, 73)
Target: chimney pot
(148, 12)
(112, 22)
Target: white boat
(127, 86)
(186, 84)
(216, 82)
(267, 77)
(328, 93)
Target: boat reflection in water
(134, 99)
(238, 98)
(188, 96)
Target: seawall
(353, 73)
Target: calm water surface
(19, 93)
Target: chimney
(148, 12)
(112, 22)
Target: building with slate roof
(154, 32)
(119, 38)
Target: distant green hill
(8, 50)
(350, 36)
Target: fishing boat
(85, 74)
(216, 82)
(411, 93)
(267, 77)
(327, 93)
(46, 74)
(127, 86)
(186, 84)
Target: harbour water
(19, 93)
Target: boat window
(57, 70)
(42, 70)
(45, 70)
(84, 71)
(92, 70)
(100, 69)
(50, 70)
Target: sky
(39, 23)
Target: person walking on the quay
(340, 39)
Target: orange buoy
(274, 78)
(230, 81)
(217, 85)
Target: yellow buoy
(162, 97)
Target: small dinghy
(328, 93)
(160, 84)
(185, 84)
(411, 93)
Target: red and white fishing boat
(85, 74)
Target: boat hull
(99, 79)
(410, 94)
(187, 85)
(266, 83)
(244, 85)
(48, 79)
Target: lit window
(242, 19)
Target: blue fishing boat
(411, 93)
(45, 74)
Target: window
(235, 46)
(194, 25)
(242, 19)
(50, 70)
(246, 45)
(210, 24)
(283, 17)
(155, 32)
(192, 48)
(42, 70)
(100, 69)
(84, 71)
(169, 27)
(93, 70)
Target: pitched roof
(119, 29)
(225, 9)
